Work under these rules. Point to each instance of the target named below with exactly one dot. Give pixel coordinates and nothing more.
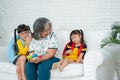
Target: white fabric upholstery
(7, 67)
(72, 70)
(7, 71)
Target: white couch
(99, 64)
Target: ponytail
(30, 31)
(81, 31)
(82, 34)
(15, 35)
(15, 40)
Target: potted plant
(114, 36)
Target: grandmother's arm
(52, 47)
(50, 53)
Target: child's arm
(31, 52)
(80, 58)
(68, 51)
(21, 49)
(28, 40)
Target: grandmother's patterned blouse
(42, 45)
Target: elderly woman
(44, 43)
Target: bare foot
(54, 66)
(60, 68)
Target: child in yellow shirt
(21, 48)
(74, 50)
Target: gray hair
(39, 26)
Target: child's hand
(68, 52)
(28, 39)
(31, 53)
(79, 61)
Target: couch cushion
(7, 71)
(3, 53)
(72, 70)
(6, 67)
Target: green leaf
(105, 42)
(113, 40)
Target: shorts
(16, 59)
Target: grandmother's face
(46, 31)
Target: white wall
(64, 14)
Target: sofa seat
(6, 67)
(7, 71)
(70, 71)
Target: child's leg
(55, 65)
(22, 64)
(61, 62)
(64, 63)
(18, 69)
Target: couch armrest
(92, 60)
(99, 57)
(102, 56)
(99, 63)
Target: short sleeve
(22, 50)
(53, 41)
(84, 48)
(31, 46)
(68, 46)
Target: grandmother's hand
(36, 60)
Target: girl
(74, 50)
(21, 48)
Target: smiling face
(24, 34)
(76, 38)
